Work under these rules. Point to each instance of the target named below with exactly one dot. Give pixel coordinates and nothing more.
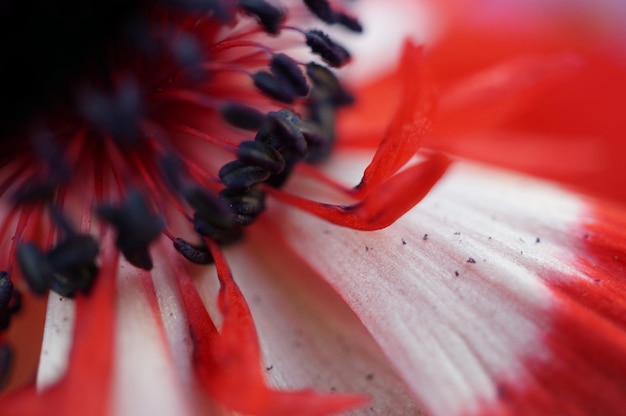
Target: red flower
(163, 150)
(496, 294)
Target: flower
(145, 162)
(480, 298)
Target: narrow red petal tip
(228, 363)
(411, 123)
(384, 204)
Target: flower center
(182, 109)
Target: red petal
(412, 121)
(228, 364)
(86, 385)
(580, 114)
(384, 203)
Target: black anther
(193, 253)
(217, 234)
(49, 152)
(262, 155)
(242, 116)
(187, 50)
(321, 9)
(274, 87)
(6, 292)
(35, 190)
(6, 360)
(218, 8)
(12, 307)
(63, 224)
(331, 52)
(281, 130)
(279, 179)
(320, 135)
(283, 67)
(241, 175)
(172, 172)
(208, 207)
(35, 267)
(116, 114)
(348, 22)
(246, 205)
(325, 83)
(136, 228)
(73, 264)
(269, 16)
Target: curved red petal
(411, 123)
(384, 203)
(228, 363)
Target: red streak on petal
(586, 373)
(384, 203)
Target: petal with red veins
(462, 297)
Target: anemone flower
(140, 197)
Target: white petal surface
(451, 291)
(57, 340)
(146, 380)
(309, 338)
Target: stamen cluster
(159, 122)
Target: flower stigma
(177, 120)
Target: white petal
(309, 338)
(146, 380)
(57, 340)
(451, 337)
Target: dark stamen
(136, 227)
(73, 262)
(349, 22)
(246, 204)
(240, 175)
(218, 8)
(6, 293)
(35, 268)
(332, 53)
(218, 234)
(283, 67)
(274, 87)
(280, 179)
(269, 16)
(116, 114)
(208, 207)
(262, 155)
(195, 254)
(327, 86)
(173, 172)
(242, 116)
(321, 9)
(6, 359)
(281, 131)
(187, 51)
